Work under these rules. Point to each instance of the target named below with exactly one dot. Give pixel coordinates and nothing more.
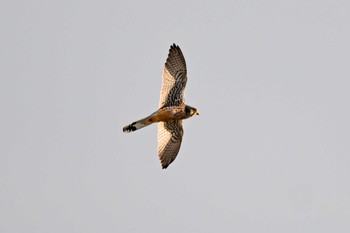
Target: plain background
(270, 151)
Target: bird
(172, 108)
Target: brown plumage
(172, 109)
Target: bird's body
(172, 109)
(165, 114)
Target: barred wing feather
(174, 79)
(169, 141)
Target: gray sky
(270, 151)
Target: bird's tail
(140, 123)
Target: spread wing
(169, 141)
(174, 79)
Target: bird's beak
(197, 113)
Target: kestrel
(172, 108)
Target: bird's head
(190, 111)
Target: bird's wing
(174, 79)
(169, 141)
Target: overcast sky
(270, 151)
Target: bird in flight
(172, 108)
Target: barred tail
(140, 124)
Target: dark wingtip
(165, 165)
(174, 46)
